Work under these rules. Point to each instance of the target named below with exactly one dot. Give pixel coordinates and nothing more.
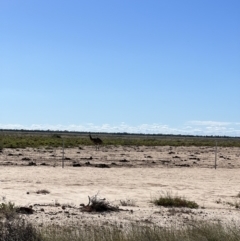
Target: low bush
(8, 210)
(18, 230)
(168, 200)
(1, 146)
(42, 191)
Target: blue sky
(170, 67)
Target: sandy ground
(130, 175)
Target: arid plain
(129, 177)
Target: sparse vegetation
(128, 202)
(1, 145)
(168, 200)
(42, 191)
(8, 210)
(21, 230)
(195, 232)
(23, 139)
(17, 228)
(12, 227)
(56, 136)
(235, 204)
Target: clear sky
(139, 66)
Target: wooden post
(216, 156)
(63, 154)
(55, 156)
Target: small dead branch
(96, 204)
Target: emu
(97, 141)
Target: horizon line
(117, 133)
(193, 128)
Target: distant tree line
(58, 132)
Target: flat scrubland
(23, 139)
(135, 187)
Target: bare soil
(131, 175)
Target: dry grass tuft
(8, 210)
(168, 200)
(128, 203)
(42, 191)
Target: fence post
(215, 155)
(63, 154)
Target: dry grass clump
(97, 204)
(19, 230)
(128, 203)
(13, 227)
(8, 210)
(168, 200)
(235, 204)
(1, 146)
(42, 191)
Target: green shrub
(174, 201)
(1, 146)
(7, 210)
